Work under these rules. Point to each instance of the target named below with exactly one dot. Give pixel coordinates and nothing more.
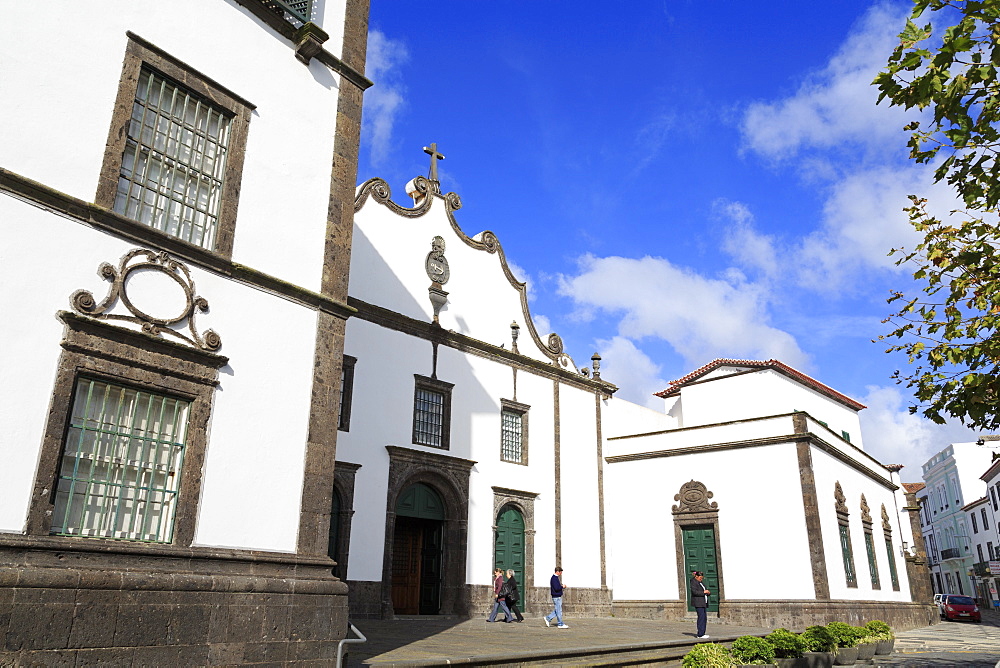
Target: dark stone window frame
(138, 54)
(346, 393)
(844, 536)
(507, 405)
(445, 390)
(115, 354)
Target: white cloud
(384, 100)
(701, 318)
(743, 242)
(894, 436)
(635, 374)
(837, 104)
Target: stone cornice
(77, 210)
(811, 438)
(432, 332)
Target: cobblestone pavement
(407, 642)
(949, 644)
(421, 640)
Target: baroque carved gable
(694, 498)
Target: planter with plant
(820, 647)
(708, 655)
(788, 649)
(752, 651)
(883, 636)
(846, 637)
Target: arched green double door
(508, 547)
(417, 552)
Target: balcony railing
(951, 553)
(294, 11)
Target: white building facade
(443, 336)
(952, 476)
(172, 368)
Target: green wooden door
(418, 564)
(508, 548)
(699, 555)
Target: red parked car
(960, 607)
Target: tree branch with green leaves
(950, 334)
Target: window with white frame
(121, 464)
(513, 432)
(431, 412)
(174, 156)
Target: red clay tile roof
(913, 487)
(676, 385)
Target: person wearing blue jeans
(556, 590)
(699, 599)
(499, 603)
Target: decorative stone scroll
(866, 514)
(694, 498)
(156, 264)
(838, 495)
(886, 524)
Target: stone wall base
(79, 602)
(365, 601)
(793, 615)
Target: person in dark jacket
(511, 595)
(498, 585)
(699, 599)
(556, 590)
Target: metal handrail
(340, 646)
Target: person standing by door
(556, 589)
(699, 599)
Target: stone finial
(596, 362)
(515, 331)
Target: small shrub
(880, 628)
(787, 645)
(753, 650)
(707, 655)
(845, 635)
(818, 639)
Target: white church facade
(753, 472)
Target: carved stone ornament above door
(694, 498)
(165, 275)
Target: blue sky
(678, 181)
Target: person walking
(498, 584)
(556, 589)
(511, 595)
(699, 599)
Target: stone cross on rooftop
(432, 151)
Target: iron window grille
(431, 412)
(872, 564)
(513, 432)
(893, 574)
(121, 464)
(848, 554)
(294, 11)
(175, 154)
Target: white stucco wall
(256, 441)
(57, 111)
(827, 472)
(763, 392)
